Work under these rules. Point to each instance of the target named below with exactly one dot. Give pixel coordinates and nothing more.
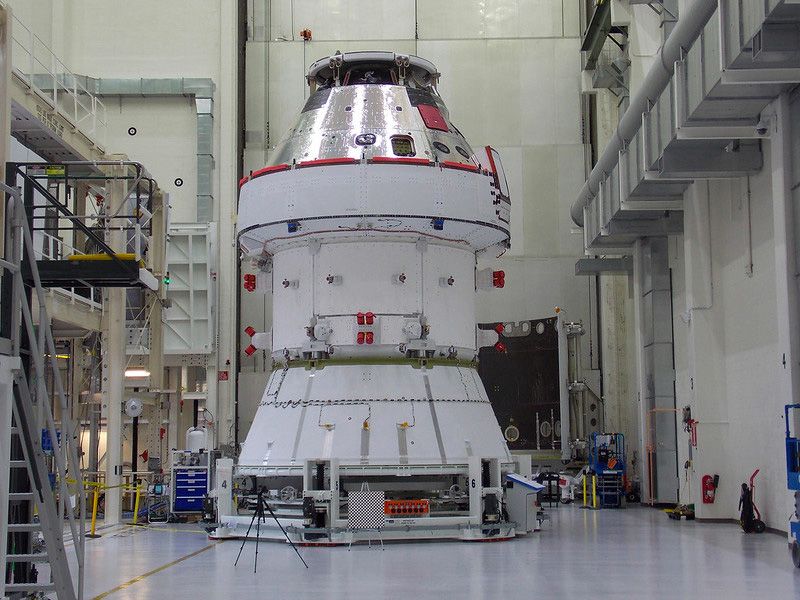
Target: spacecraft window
(462, 152)
(365, 139)
(443, 148)
(403, 145)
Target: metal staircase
(36, 512)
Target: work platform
(103, 271)
(76, 255)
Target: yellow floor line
(129, 583)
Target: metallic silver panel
(383, 110)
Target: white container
(196, 439)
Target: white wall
(729, 323)
(155, 39)
(727, 356)
(146, 38)
(180, 38)
(165, 142)
(38, 16)
(728, 361)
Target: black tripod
(259, 516)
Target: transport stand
(476, 525)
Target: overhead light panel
(137, 373)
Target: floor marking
(157, 528)
(129, 583)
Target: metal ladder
(25, 476)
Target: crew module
(368, 223)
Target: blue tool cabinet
(190, 481)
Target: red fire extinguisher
(710, 484)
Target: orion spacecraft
(368, 222)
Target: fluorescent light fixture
(137, 373)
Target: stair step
(27, 558)
(20, 496)
(19, 527)
(30, 587)
(18, 464)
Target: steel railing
(58, 249)
(18, 322)
(35, 64)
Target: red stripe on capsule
(448, 164)
(401, 160)
(268, 170)
(320, 162)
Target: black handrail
(66, 214)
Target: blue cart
(607, 461)
(793, 480)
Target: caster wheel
(796, 554)
(759, 526)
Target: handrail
(692, 21)
(70, 292)
(65, 456)
(82, 108)
(78, 222)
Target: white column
(618, 405)
(705, 388)
(641, 390)
(786, 293)
(787, 384)
(114, 360)
(221, 403)
(174, 383)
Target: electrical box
(522, 502)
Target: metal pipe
(135, 445)
(692, 20)
(563, 389)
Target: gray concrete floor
(630, 553)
